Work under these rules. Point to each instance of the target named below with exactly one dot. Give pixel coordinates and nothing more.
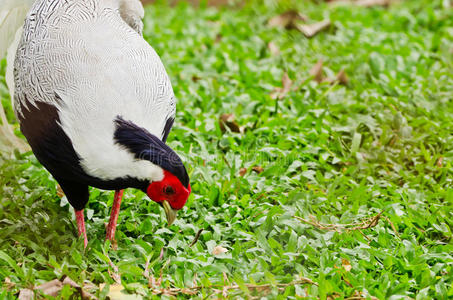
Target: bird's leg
(114, 215)
(81, 226)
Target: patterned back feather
(87, 59)
(12, 17)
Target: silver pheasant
(94, 100)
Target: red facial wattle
(170, 189)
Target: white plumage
(90, 53)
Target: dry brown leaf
(310, 30)
(51, 288)
(242, 171)
(26, 294)
(228, 120)
(273, 49)
(280, 93)
(84, 294)
(258, 169)
(346, 265)
(316, 71)
(287, 19)
(218, 38)
(342, 78)
(8, 284)
(219, 250)
(286, 82)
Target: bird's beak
(170, 212)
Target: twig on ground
(146, 271)
(219, 289)
(391, 225)
(115, 273)
(365, 236)
(197, 236)
(366, 224)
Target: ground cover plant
(309, 186)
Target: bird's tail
(12, 17)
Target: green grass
(342, 154)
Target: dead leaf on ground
(53, 288)
(195, 78)
(288, 19)
(310, 30)
(346, 265)
(83, 293)
(342, 78)
(26, 294)
(316, 71)
(218, 38)
(273, 49)
(228, 120)
(280, 93)
(219, 250)
(8, 284)
(242, 171)
(258, 169)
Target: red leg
(114, 215)
(81, 226)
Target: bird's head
(170, 193)
(170, 186)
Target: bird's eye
(169, 190)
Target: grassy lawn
(327, 191)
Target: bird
(93, 100)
